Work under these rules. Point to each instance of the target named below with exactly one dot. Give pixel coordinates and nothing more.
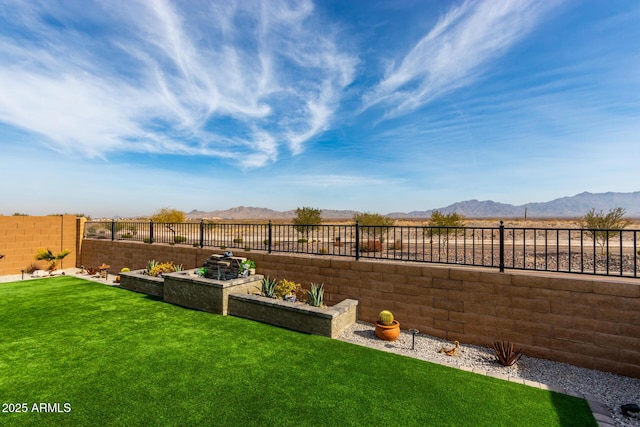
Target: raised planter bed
(328, 322)
(139, 282)
(187, 289)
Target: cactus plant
(385, 318)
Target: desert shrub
(237, 240)
(179, 239)
(265, 242)
(31, 268)
(285, 287)
(148, 240)
(247, 249)
(307, 219)
(601, 227)
(164, 267)
(301, 293)
(373, 225)
(396, 246)
(371, 246)
(126, 236)
(303, 240)
(323, 251)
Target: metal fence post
(113, 229)
(269, 238)
(357, 240)
(151, 231)
(202, 233)
(501, 246)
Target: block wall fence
(591, 321)
(22, 236)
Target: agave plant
(315, 296)
(268, 287)
(151, 265)
(505, 354)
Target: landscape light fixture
(22, 274)
(413, 341)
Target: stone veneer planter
(187, 289)
(139, 282)
(328, 322)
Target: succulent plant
(385, 318)
(315, 296)
(268, 287)
(151, 265)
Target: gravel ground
(610, 389)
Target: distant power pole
(525, 214)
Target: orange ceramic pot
(388, 333)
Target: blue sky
(123, 107)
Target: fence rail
(571, 250)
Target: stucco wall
(588, 321)
(22, 236)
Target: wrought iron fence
(597, 252)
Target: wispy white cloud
(455, 52)
(157, 76)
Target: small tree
(445, 225)
(601, 227)
(306, 220)
(375, 225)
(47, 255)
(169, 216)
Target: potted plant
(387, 328)
(124, 270)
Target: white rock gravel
(610, 389)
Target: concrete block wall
(588, 321)
(22, 236)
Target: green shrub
(371, 246)
(179, 239)
(125, 270)
(315, 296)
(303, 240)
(285, 287)
(165, 267)
(323, 251)
(148, 240)
(126, 236)
(237, 240)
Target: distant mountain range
(564, 207)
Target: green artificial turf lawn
(120, 358)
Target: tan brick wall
(22, 236)
(588, 321)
